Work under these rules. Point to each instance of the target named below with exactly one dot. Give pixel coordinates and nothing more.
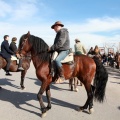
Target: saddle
(69, 59)
(13, 57)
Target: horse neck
(35, 59)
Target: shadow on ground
(18, 98)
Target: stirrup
(20, 68)
(52, 73)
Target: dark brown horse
(13, 66)
(84, 68)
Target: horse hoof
(91, 110)
(23, 88)
(76, 90)
(79, 109)
(43, 115)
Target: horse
(84, 68)
(13, 66)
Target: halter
(23, 43)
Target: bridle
(23, 44)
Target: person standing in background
(79, 48)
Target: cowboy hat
(57, 23)
(77, 40)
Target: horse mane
(39, 46)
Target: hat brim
(77, 40)
(57, 24)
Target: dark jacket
(62, 41)
(13, 47)
(5, 51)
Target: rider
(6, 53)
(79, 48)
(96, 50)
(13, 48)
(91, 51)
(61, 45)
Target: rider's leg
(20, 65)
(8, 66)
(60, 57)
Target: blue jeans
(60, 57)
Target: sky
(94, 22)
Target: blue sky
(94, 22)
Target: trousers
(8, 63)
(61, 56)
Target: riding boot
(52, 73)
(20, 65)
(7, 67)
(8, 74)
(61, 75)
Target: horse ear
(28, 34)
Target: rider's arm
(8, 50)
(13, 47)
(61, 40)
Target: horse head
(24, 44)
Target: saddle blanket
(13, 57)
(68, 58)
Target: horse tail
(100, 81)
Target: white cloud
(96, 31)
(97, 25)
(91, 32)
(4, 9)
(22, 10)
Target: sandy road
(16, 104)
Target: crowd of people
(110, 59)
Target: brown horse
(13, 66)
(84, 68)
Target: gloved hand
(18, 56)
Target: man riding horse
(61, 45)
(6, 53)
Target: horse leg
(48, 95)
(71, 84)
(23, 73)
(75, 84)
(44, 87)
(89, 103)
